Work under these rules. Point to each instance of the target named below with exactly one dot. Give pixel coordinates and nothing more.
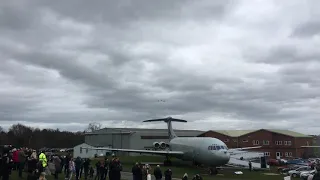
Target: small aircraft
(200, 150)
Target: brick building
(275, 143)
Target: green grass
(180, 167)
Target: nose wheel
(213, 171)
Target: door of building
(278, 155)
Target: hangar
(134, 138)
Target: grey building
(133, 138)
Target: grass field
(179, 168)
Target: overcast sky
(218, 64)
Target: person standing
(78, 164)
(22, 161)
(86, 165)
(168, 174)
(157, 173)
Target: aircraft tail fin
(168, 120)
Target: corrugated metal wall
(120, 141)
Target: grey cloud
(284, 54)
(121, 12)
(307, 29)
(105, 78)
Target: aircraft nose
(226, 157)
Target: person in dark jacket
(168, 174)
(106, 168)
(86, 165)
(78, 163)
(97, 170)
(135, 171)
(101, 169)
(6, 165)
(32, 162)
(115, 169)
(91, 172)
(157, 173)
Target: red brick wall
(260, 135)
(264, 135)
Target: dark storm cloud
(82, 61)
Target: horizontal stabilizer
(166, 120)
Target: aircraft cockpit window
(226, 147)
(221, 147)
(218, 147)
(211, 148)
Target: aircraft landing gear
(167, 162)
(213, 171)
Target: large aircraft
(208, 151)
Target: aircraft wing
(238, 150)
(138, 151)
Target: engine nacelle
(163, 145)
(156, 145)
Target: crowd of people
(143, 172)
(33, 166)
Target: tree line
(20, 135)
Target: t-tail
(168, 120)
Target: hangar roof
(238, 133)
(147, 131)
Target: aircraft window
(222, 147)
(226, 147)
(218, 147)
(213, 148)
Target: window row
(264, 142)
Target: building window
(255, 142)
(265, 142)
(285, 142)
(226, 140)
(289, 143)
(267, 154)
(286, 154)
(278, 142)
(290, 154)
(235, 140)
(81, 150)
(87, 150)
(245, 140)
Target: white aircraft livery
(208, 151)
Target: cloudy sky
(218, 64)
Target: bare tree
(93, 127)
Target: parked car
(286, 169)
(273, 162)
(296, 172)
(305, 175)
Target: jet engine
(156, 145)
(163, 145)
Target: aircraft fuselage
(205, 150)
